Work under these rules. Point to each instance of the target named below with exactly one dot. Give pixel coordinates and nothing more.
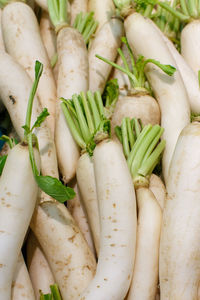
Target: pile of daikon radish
(98, 95)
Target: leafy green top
(141, 148)
(86, 118)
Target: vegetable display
(99, 150)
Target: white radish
(15, 86)
(190, 45)
(188, 76)
(117, 209)
(38, 267)
(76, 208)
(141, 106)
(87, 186)
(23, 42)
(72, 78)
(103, 10)
(179, 265)
(21, 285)
(105, 43)
(18, 190)
(145, 275)
(170, 92)
(71, 261)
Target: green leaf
(40, 118)
(54, 188)
(27, 129)
(2, 162)
(111, 92)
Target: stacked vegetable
(95, 97)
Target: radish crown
(86, 118)
(123, 7)
(141, 148)
(51, 186)
(58, 13)
(86, 25)
(55, 294)
(135, 70)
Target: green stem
(99, 102)
(131, 136)
(38, 71)
(94, 109)
(136, 163)
(148, 166)
(184, 7)
(153, 144)
(81, 118)
(55, 292)
(192, 8)
(58, 12)
(138, 143)
(176, 13)
(76, 135)
(87, 113)
(31, 155)
(125, 142)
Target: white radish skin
(158, 189)
(78, 6)
(38, 267)
(117, 209)
(169, 91)
(15, 87)
(18, 190)
(190, 45)
(49, 39)
(21, 285)
(71, 261)
(145, 275)
(103, 10)
(77, 211)
(105, 43)
(2, 45)
(72, 78)
(139, 106)
(42, 4)
(48, 34)
(188, 76)
(86, 182)
(23, 42)
(179, 267)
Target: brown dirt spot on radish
(8, 193)
(129, 276)
(71, 239)
(115, 229)
(98, 286)
(112, 245)
(2, 265)
(108, 236)
(105, 279)
(12, 99)
(114, 205)
(114, 221)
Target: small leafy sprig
(135, 72)
(50, 185)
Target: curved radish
(180, 270)
(21, 284)
(71, 261)
(145, 275)
(176, 114)
(38, 267)
(87, 186)
(107, 47)
(23, 42)
(18, 197)
(117, 209)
